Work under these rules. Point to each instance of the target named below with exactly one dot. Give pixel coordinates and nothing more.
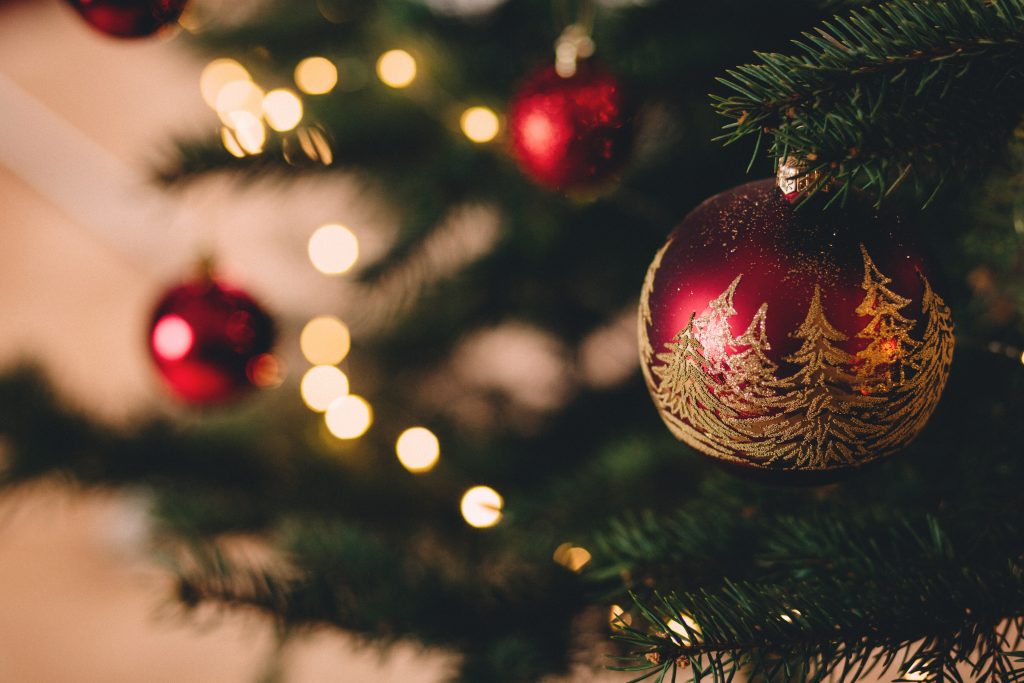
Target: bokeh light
(396, 68)
(684, 635)
(248, 130)
(481, 507)
(418, 449)
(316, 75)
(216, 75)
(227, 136)
(282, 109)
(572, 557)
(265, 371)
(239, 96)
(333, 249)
(325, 340)
(479, 124)
(618, 617)
(172, 338)
(349, 417)
(322, 385)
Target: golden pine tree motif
(884, 361)
(686, 394)
(645, 320)
(722, 395)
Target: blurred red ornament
(570, 133)
(211, 342)
(129, 18)
(804, 342)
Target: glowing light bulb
(349, 417)
(248, 131)
(571, 557)
(333, 249)
(418, 449)
(216, 75)
(325, 340)
(682, 636)
(282, 109)
(396, 68)
(172, 338)
(322, 385)
(481, 507)
(236, 96)
(316, 75)
(618, 617)
(479, 124)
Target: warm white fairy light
(682, 635)
(916, 673)
(325, 340)
(618, 617)
(239, 96)
(322, 385)
(479, 124)
(216, 75)
(396, 68)
(333, 249)
(248, 130)
(572, 557)
(418, 449)
(227, 137)
(282, 109)
(481, 507)
(316, 75)
(349, 417)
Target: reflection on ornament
(775, 381)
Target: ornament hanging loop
(575, 42)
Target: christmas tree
(562, 524)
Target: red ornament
(129, 18)
(570, 133)
(210, 341)
(802, 341)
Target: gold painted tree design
(645, 319)
(687, 395)
(712, 327)
(884, 361)
(816, 428)
(913, 402)
(751, 385)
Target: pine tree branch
(907, 89)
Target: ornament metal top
(799, 342)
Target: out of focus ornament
(570, 132)
(129, 18)
(210, 341)
(801, 342)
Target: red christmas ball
(570, 134)
(210, 341)
(129, 18)
(778, 340)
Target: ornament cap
(795, 178)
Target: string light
(349, 417)
(479, 124)
(481, 507)
(316, 75)
(248, 131)
(418, 449)
(333, 249)
(325, 340)
(396, 68)
(227, 137)
(282, 109)
(216, 75)
(683, 634)
(321, 386)
(572, 557)
(618, 617)
(915, 672)
(236, 96)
